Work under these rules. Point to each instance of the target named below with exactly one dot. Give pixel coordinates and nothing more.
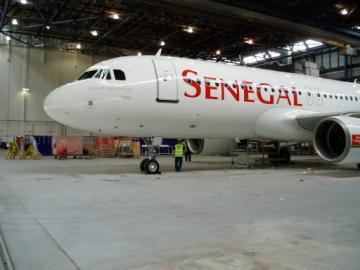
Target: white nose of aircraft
(56, 105)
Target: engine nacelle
(337, 139)
(209, 146)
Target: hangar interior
(53, 42)
(102, 213)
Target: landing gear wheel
(358, 166)
(143, 164)
(152, 166)
(282, 157)
(285, 156)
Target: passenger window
(119, 75)
(87, 75)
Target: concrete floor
(103, 214)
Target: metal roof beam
(62, 22)
(121, 23)
(4, 12)
(239, 15)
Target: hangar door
(167, 88)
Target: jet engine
(337, 139)
(210, 146)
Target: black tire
(152, 167)
(358, 166)
(143, 164)
(285, 156)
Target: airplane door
(167, 86)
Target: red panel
(73, 144)
(356, 140)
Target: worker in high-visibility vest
(178, 154)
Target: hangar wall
(331, 62)
(41, 71)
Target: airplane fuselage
(183, 98)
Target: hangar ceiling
(189, 27)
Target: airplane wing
(287, 124)
(309, 121)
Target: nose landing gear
(150, 165)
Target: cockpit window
(87, 75)
(119, 75)
(103, 74)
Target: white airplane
(169, 97)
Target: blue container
(44, 144)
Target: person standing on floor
(178, 154)
(187, 152)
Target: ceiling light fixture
(139, 54)
(78, 46)
(47, 27)
(190, 30)
(25, 90)
(218, 52)
(24, 2)
(14, 22)
(162, 43)
(94, 33)
(249, 41)
(344, 12)
(115, 16)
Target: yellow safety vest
(179, 150)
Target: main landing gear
(150, 165)
(280, 155)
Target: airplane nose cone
(54, 104)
